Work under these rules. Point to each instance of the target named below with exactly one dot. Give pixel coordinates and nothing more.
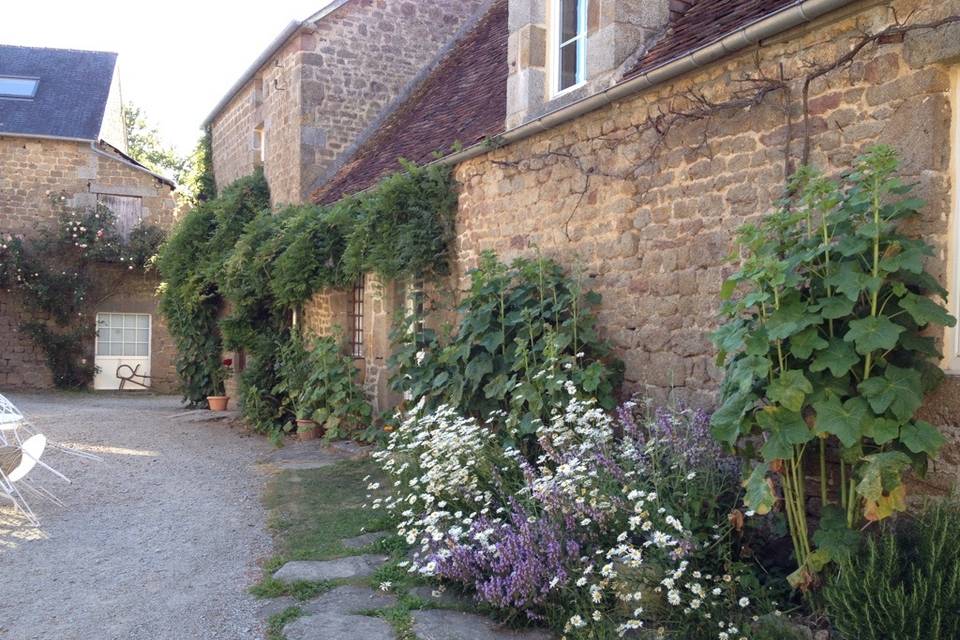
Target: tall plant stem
(843, 485)
(824, 498)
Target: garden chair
(13, 426)
(16, 461)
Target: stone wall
(33, 170)
(329, 83)
(650, 216)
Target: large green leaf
(881, 486)
(759, 495)
(746, 370)
(836, 307)
(848, 279)
(872, 333)
(789, 319)
(923, 310)
(726, 421)
(844, 420)
(899, 390)
(803, 344)
(789, 389)
(882, 430)
(922, 437)
(784, 428)
(479, 365)
(838, 357)
(834, 536)
(729, 337)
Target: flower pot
(307, 430)
(218, 403)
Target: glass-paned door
(122, 350)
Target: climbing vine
(56, 276)
(235, 271)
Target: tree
(146, 147)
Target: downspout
(800, 13)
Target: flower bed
(615, 525)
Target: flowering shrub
(52, 271)
(617, 524)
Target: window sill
(568, 90)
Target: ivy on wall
(234, 270)
(53, 273)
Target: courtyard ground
(158, 542)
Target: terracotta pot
(218, 403)
(306, 430)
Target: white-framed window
(127, 211)
(569, 45)
(951, 343)
(123, 334)
(260, 143)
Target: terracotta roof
(702, 23)
(464, 100)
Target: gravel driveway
(158, 542)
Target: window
(123, 334)
(570, 44)
(260, 144)
(11, 87)
(356, 320)
(952, 339)
(415, 304)
(128, 211)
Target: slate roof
(705, 22)
(71, 95)
(463, 100)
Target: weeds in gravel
(278, 620)
(302, 590)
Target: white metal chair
(13, 424)
(12, 476)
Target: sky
(177, 57)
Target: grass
(315, 509)
(278, 620)
(312, 511)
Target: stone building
(635, 137)
(62, 133)
(310, 100)
(313, 93)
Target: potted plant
(294, 367)
(221, 375)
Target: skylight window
(12, 87)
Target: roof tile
(702, 23)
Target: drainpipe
(800, 13)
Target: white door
(122, 351)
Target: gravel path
(158, 542)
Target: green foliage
(146, 147)
(197, 179)
(905, 584)
(826, 347)
(192, 264)
(235, 270)
(513, 321)
(328, 394)
(53, 273)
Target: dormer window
(15, 87)
(570, 44)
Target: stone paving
(349, 610)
